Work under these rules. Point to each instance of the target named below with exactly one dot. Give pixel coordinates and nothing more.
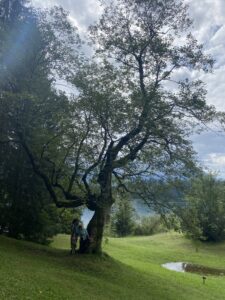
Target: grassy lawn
(131, 271)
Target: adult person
(84, 238)
(74, 235)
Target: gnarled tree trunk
(102, 210)
(96, 226)
(95, 229)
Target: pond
(193, 268)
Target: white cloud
(210, 148)
(215, 162)
(82, 12)
(209, 29)
(217, 159)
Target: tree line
(194, 207)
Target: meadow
(129, 269)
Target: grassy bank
(131, 271)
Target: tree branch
(132, 155)
(73, 177)
(94, 165)
(77, 201)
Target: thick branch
(132, 155)
(94, 165)
(74, 175)
(121, 183)
(125, 139)
(77, 201)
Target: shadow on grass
(111, 278)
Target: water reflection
(175, 266)
(192, 268)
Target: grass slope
(132, 270)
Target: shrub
(150, 225)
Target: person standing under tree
(84, 238)
(74, 235)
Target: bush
(149, 226)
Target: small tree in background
(203, 218)
(123, 218)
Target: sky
(209, 29)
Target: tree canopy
(129, 116)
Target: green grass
(131, 270)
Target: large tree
(129, 115)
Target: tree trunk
(95, 230)
(102, 210)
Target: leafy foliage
(204, 215)
(123, 217)
(124, 119)
(30, 56)
(150, 225)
